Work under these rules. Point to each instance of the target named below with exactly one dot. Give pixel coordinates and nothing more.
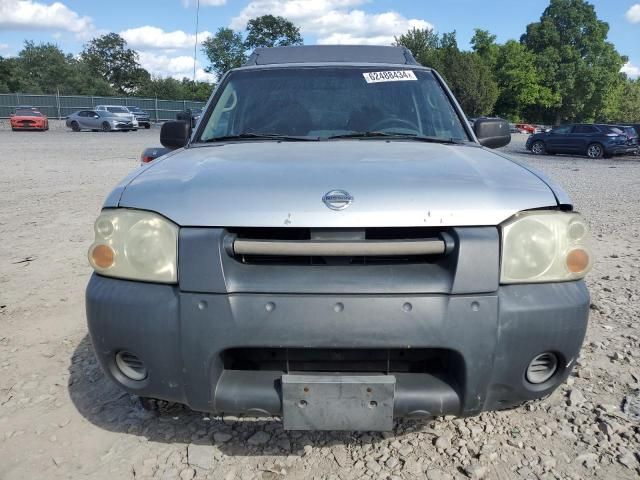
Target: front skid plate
(338, 402)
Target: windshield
(331, 102)
(117, 110)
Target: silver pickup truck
(334, 244)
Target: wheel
(595, 150)
(106, 127)
(75, 126)
(147, 126)
(95, 130)
(538, 148)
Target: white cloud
(633, 14)
(155, 38)
(333, 21)
(631, 70)
(204, 3)
(176, 67)
(4, 46)
(31, 15)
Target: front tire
(538, 148)
(75, 126)
(147, 126)
(106, 127)
(595, 150)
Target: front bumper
(489, 339)
(20, 126)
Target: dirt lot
(60, 418)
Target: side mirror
(175, 134)
(492, 132)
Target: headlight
(544, 246)
(135, 245)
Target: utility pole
(195, 46)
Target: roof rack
(331, 54)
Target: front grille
(386, 239)
(373, 360)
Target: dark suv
(594, 141)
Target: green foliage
(519, 81)
(418, 41)
(107, 56)
(484, 44)
(271, 31)
(466, 74)
(9, 80)
(624, 104)
(225, 50)
(172, 89)
(576, 63)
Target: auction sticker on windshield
(390, 76)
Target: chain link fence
(61, 106)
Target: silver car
(335, 245)
(98, 120)
(119, 111)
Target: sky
(162, 31)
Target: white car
(119, 111)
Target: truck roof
(331, 54)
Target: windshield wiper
(397, 135)
(262, 136)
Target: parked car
(632, 138)
(527, 128)
(143, 118)
(28, 119)
(190, 115)
(592, 140)
(119, 111)
(513, 128)
(334, 246)
(97, 120)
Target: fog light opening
(542, 368)
(131, 366)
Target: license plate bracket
(338, 402)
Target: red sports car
(29, 120)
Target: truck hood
(396, 183)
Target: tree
(43, 68)
(484, 44)
(9, 79)
(468, 77)
(577, 64)
(109, 57)
(271, 31)
(624, 104)
(225, 50)
(518, 81)
(198, 91)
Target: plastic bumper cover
(180, 338)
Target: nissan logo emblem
(337, 199)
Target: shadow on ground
(106, 406)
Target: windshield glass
(117, 110)
(333, 101)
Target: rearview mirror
(175, 134)
(492, 132)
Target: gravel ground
(60, 417)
